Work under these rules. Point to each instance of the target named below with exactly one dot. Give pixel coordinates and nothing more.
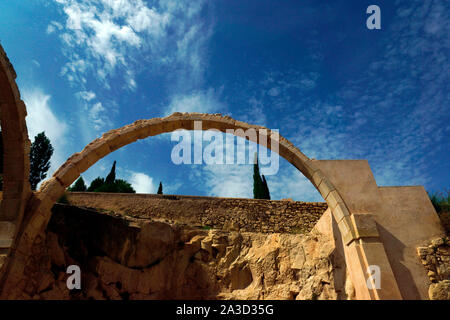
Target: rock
(298, 260)
(440, 290)
(437, 242)
(424, 251)
(155, 260)
(57, 253)
(46, 281)
(155, 241)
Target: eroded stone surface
(123, 258)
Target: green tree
(95, 184)
(40, 153)
(111, 177)
(265, 188)
(111, 184)
(160, 188)
(123, 186)
(79, 186)
(258, 189)
(118, 186)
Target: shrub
(95, 184)
(79, 186)
(440, 201)
(111, 184)
(118, 186)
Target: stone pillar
(364, 250)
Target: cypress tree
(160, 188)
(258, 189)
(111, 177)
(265, 189)
(40, 153)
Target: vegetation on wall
(440, 201)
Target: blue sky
(308, 68)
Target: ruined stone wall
(219, 213)
(435, 257)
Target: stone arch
(22, 235)
(52, 189)
(16, 146)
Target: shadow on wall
(405, 280)
(340, 273)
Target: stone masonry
(435, 258)
(247, 215)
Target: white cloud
(171, 188)
(41, 118)
(107, 32)
(232, 181)
(291, 183)
(236, 181)
(110, 34)
(142, 183)
(86, 95)
(255, 113)
(274, 91)
(98, 116)
(200, 101)
(53, 26)
(36, 63)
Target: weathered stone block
(10, 208)
(365, 225)
(347, 232)
(52, 189)
(5, 243)
(102, 149)
(340, 211)
(155, 129)
(333, 199)
(88, 158)
(317, 178)
(7, 229)
(67, 174)
(325, 187)
(118, 141)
